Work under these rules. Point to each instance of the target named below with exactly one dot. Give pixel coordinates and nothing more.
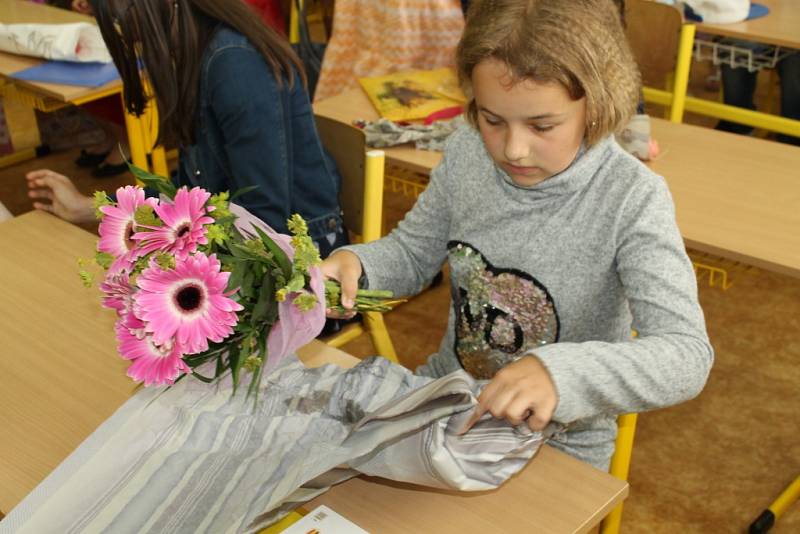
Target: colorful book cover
(413, 94)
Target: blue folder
(70, 73)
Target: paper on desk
(323, 520)
(78, 41)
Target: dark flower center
(183, 229)
(129, 242)
(189, 298)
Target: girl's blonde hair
(577, 43)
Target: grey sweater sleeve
(408, 258)
(670, 359)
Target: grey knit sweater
(564, 270)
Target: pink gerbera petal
(152, 364)
(186, 303)
(118, 292)
(184, 220)
(118, 225)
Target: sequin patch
(500, 313)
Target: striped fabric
(372, 38)
(193, 459)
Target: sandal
(105, 170)
(90, 159)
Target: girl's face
(532, 130)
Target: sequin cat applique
(500, 313)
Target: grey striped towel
(193, 458)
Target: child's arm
(406, 260)
(670, 359)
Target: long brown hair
(166, 39)
(577, 43)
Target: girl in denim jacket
(231, 95)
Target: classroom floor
(707, 466)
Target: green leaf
(277, 252)
(237, 275)
(256, 380)
(161, 184)
(243, 191)
(220, 368)
(234, 361)
(247, 290)
(104, 259)
(202, 378)
(265, 295)
(272, 312)
(100, 199)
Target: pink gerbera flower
(187, 303)
(118, 292)
(152, 364)
(183, 224)
(118, 225)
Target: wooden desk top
(781, 26)
(61, 376)
(22, 11)
(736, 196)
(554, 493)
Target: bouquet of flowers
(195, 278)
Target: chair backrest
(361, 193)
(653, 31)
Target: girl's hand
(65, 200)
(520, 391)
(345, 267)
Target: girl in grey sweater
(559, 243)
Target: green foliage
(145, 215)
(101, 199)
(153, 181)
(103, 259)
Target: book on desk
(70, 73)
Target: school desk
(61, 377)
(780, 27)
(735, 196)
(49, 97)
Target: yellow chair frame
(361, 198)
(620, 463)
(620, 467)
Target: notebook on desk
(70, 73)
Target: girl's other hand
(65, 200)
(520, 391)
(344, 267)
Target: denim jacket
(251, 131)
